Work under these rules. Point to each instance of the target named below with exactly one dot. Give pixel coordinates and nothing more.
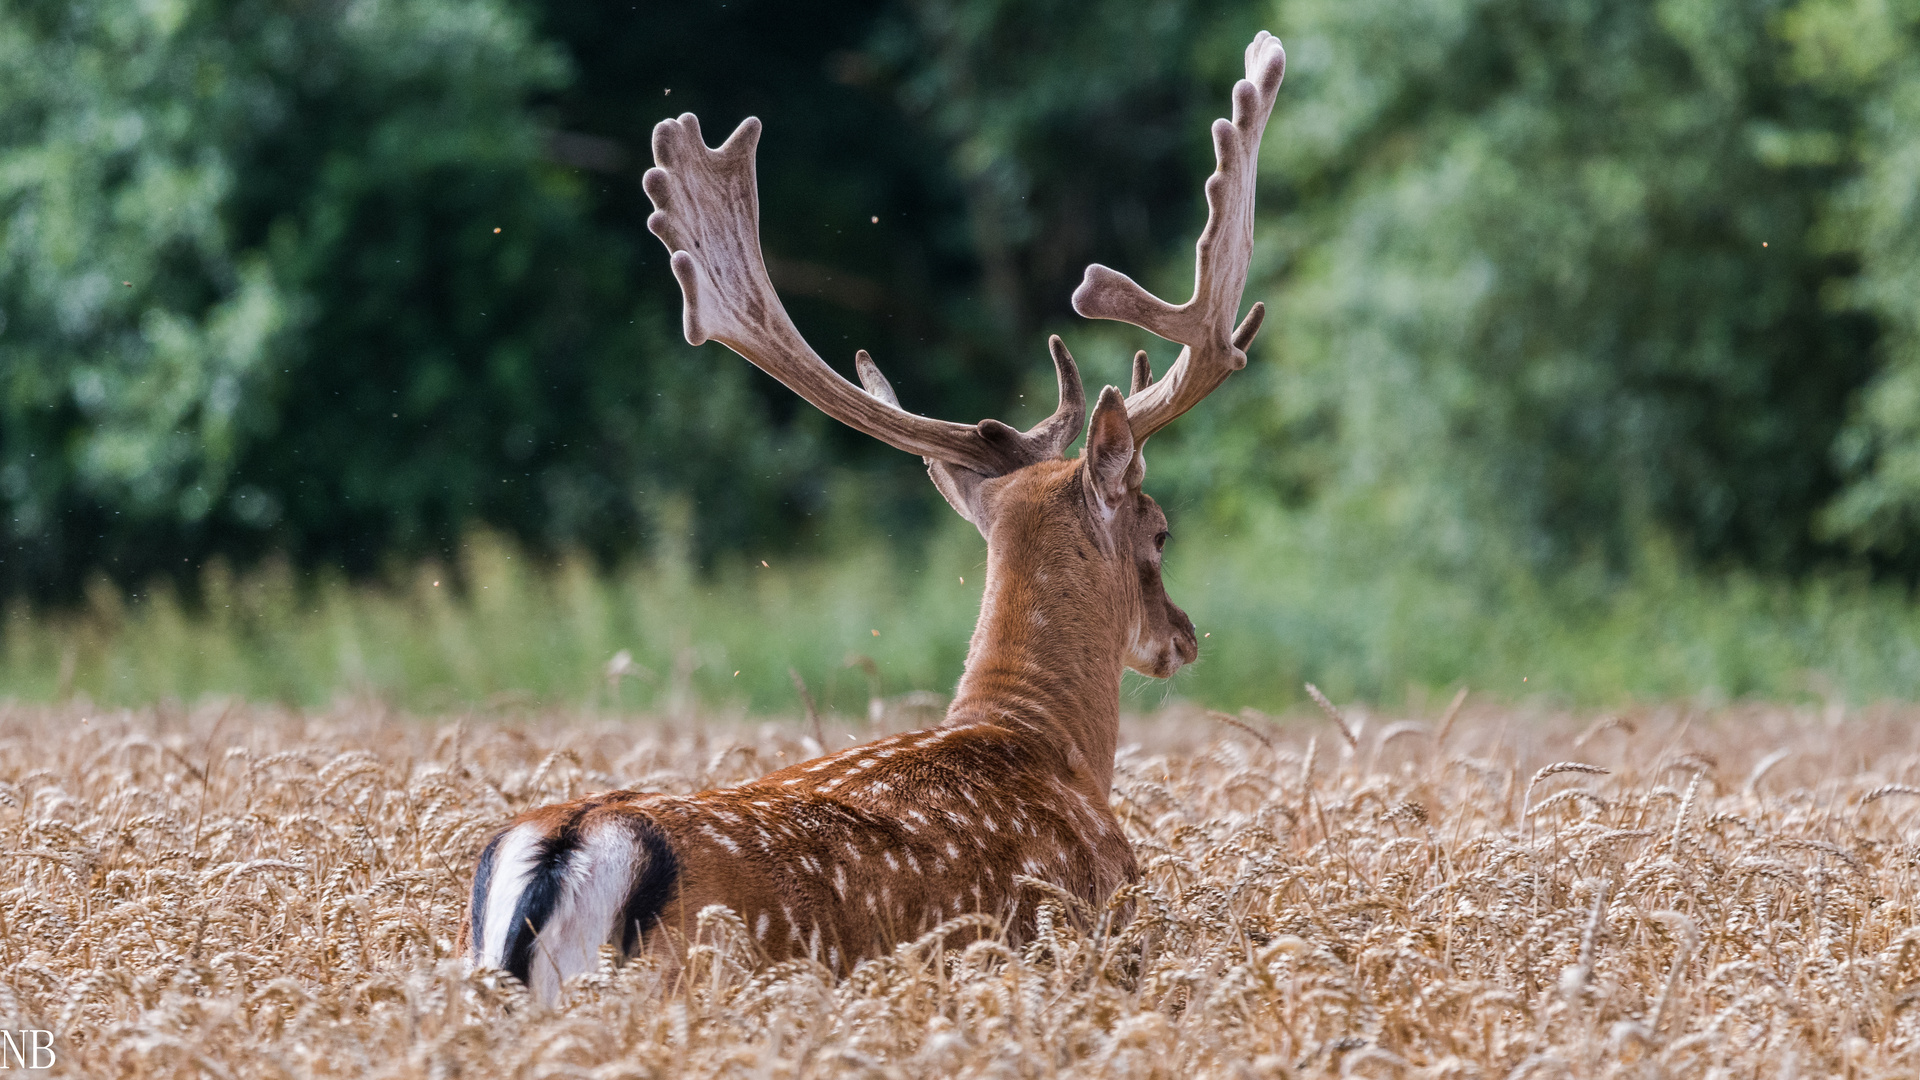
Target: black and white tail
(551, 889)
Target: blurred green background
(335, 356)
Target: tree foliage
(345, 280)
(1556, 276)
(1867, 53)
(302, 277)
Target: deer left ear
(1110, 458)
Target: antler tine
(1214, 347)
(1070, 415)
(707, 213)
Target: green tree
(1868, 53)
(1547, 276)
(302, 277)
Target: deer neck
(1046, 654)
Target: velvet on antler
(1214, 347)
(708, 215)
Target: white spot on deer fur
(886, 753)
(852, 852)
(868, 763)
(821, 764)
(833, 957)
(892, 863)
(721, 838)
(987, 820)
(1037, 619)
(912, 863)
(760, 927)
(953, 850)
(840, 881)
(881, 787)
(967, 794)
(795, 780)
(813, 943)
(977, 898)
(870, 904)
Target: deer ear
(961, 488)
(1109, 454)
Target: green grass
(1283, 601)
(1289, 603)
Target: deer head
(1074, 546)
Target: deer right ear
(1109, 455)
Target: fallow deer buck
(838, 857)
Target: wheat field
(234, 891)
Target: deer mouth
(1164, 657)
(1184, 649)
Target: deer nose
(1186, 642)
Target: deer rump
(553, 887)
(832, 859)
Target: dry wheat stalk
(282, 895)
(1333, 714)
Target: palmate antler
(707, 212)
(1214, 347)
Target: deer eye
(1160, 540)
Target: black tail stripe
(537, 898)
(653, 886)
(482, 882)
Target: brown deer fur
(838, 857)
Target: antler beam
(707, 212)
(1215, 348)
